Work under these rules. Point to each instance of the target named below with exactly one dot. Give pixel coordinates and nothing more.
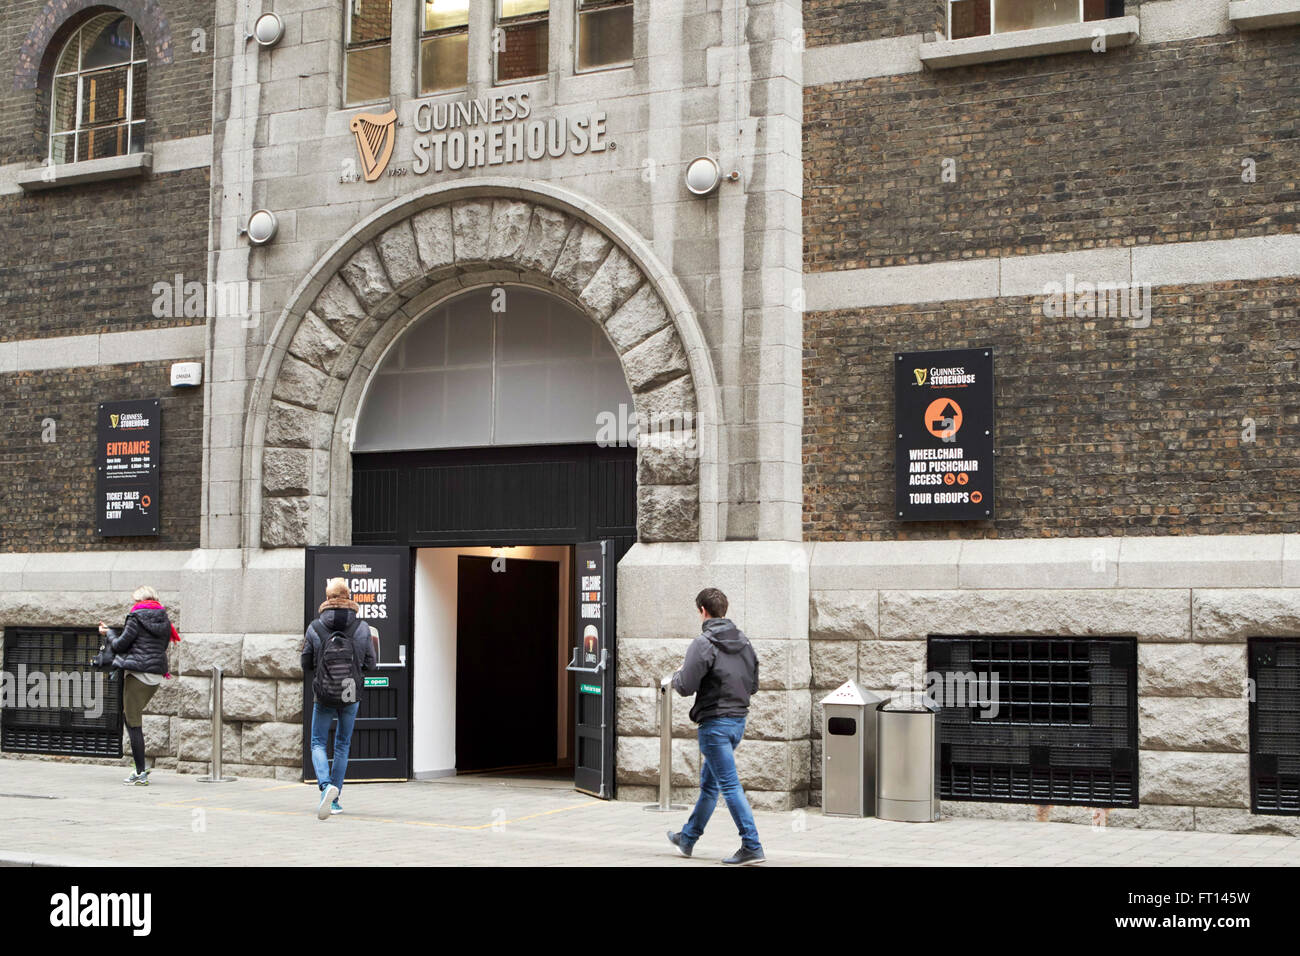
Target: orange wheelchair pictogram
(948, 478)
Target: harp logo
(113, 419)
(375, 135)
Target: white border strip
(108, 348)
(1166, 264)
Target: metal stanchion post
(214, 705)
(665, 803)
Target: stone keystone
(546, 234)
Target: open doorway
(492, 637)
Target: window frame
(422, 35)
(594, 5)
(349, 8)
(993, 19)
(79, 75)
(501, 22)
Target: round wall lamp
(268, 30)
(703, 176)
(262, 227)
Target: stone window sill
(90, 171)
(1261, 14)
(1069, 38)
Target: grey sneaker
(139, 779)
(743, 857)
(682, 847)
(326, 798)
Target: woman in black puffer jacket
(140, 650)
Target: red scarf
(154, 605)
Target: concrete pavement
(59, 813)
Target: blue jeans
(321, 718)
(718, 738)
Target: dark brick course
(1102, 429)
(48, 489)
(86, 258)
(1138, 145)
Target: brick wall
(89, 256)
(851, 21)
(48, 489)
(1140, 145)
(1102, 429)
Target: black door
(593, 666)
(380, 580)
(507, 637)
(543, 495)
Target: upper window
(444, 45)
(369, 46)
(604, 33)
(97, 109)
(521, 39)
(978, 18)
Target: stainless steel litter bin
(849, 752)
(907, 763)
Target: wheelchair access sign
(943, 417)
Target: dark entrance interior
(506, 701)
(507, 497)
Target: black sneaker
(743, 857)
(676, 840)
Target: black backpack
(337, 681)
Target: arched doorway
(385, 276)
(484, 443)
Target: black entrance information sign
(380, 581)
(943, 418)
(592, 665)
(128, 456)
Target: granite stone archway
(408, 258)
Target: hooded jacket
(721, 670)
(142, 644)
(337, 614)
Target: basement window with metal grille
(54, 702)
(1275, 725)
(1033, 720)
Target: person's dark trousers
(718, 739)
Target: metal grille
(1275, 725)
(68, 730)
(1029, 720)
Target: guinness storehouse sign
(493, 130)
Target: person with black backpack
(338, 646)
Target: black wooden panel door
(507, 629)
(593, 664)
(380, 579)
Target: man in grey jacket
(721, 670)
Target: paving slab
(58, 813)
